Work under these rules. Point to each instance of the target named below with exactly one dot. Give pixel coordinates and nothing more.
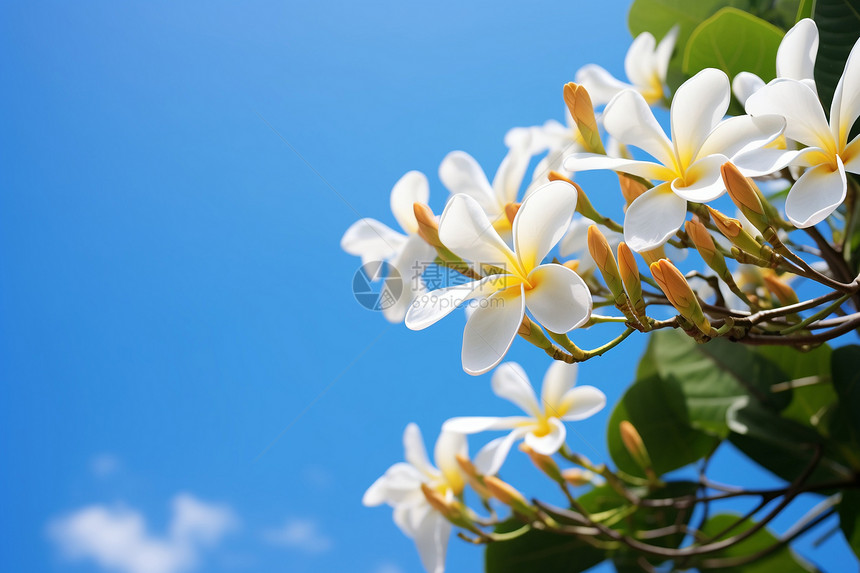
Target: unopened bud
(572, 264)
(475, 479)
(544, 463)
(784, 293)
(511, 210)
(653, 255)
(428, 227)
(678, 291)
(746, 197)
(582, 110)
(438, 502)
(601, 252)
(630, 277)
(577, 477)
(704, 243)
(734, 232)
(631, 188)
(507, 494)
(634, 444)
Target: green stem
(826, 311)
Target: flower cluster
(501, 244)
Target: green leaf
(539, 551)
(782, 560)
(845, 367)
(780, 445)
(811, 406)
(838, 28)
(734, 41)
(804, 10)
(849, 518)
(713, 376)
(657, 409)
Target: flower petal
(511, 383)
(663, 53)
(703, 181)
(542, 221)
(431, 307)
(846, 99)
(410, 189)
(653, 218)
(509, 177)
(431, 540)
(639, 61)
(478, 424)
(449, 445)
(460, 173)
(490, 458)
(582, 402)
(698, 106)
(738, 135)
(600, 84)
(414, 451)
(410, 263)
(559, 299)
(799, 105)
(465, 229)
(795, 58)
(491, 329)
(559, 379)
(765, 161)
(629, 120)
(549, 443)
(371, 240)
(746, 84)
(851, 156)
(592, 161)
(397, 485)
(818, 192)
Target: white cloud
(116, 538)
(302, 534)
(104, 465)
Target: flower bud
(653, 255)
(779, 288)
(746, 196)
(581, 109)
(634, 444)
(475, 479)
(428, 227)
(511, 210)
(544, 463)
(678, 291)
(734, 231)
(601, 252)
(577, 477)
(704, 243)
(631, 188)
(508, 495)
(438, 502)
(572, 264)
(630, 277)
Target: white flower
(646, 65)
(795, 59)
(400, 487)
(557, 139)
(460, 173)
(556, 296)
(689, 164)
(409, 254)
(828, 153)
(543, 428)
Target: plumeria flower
(829, 154)
(556, 296)
(460, 173)
(689, 165)
(542, 427)
(558, 139)
(400, 487)
(646, 65)
(409, 253)
(795, 59)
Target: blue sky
(176, 320)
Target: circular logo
(377, 285)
